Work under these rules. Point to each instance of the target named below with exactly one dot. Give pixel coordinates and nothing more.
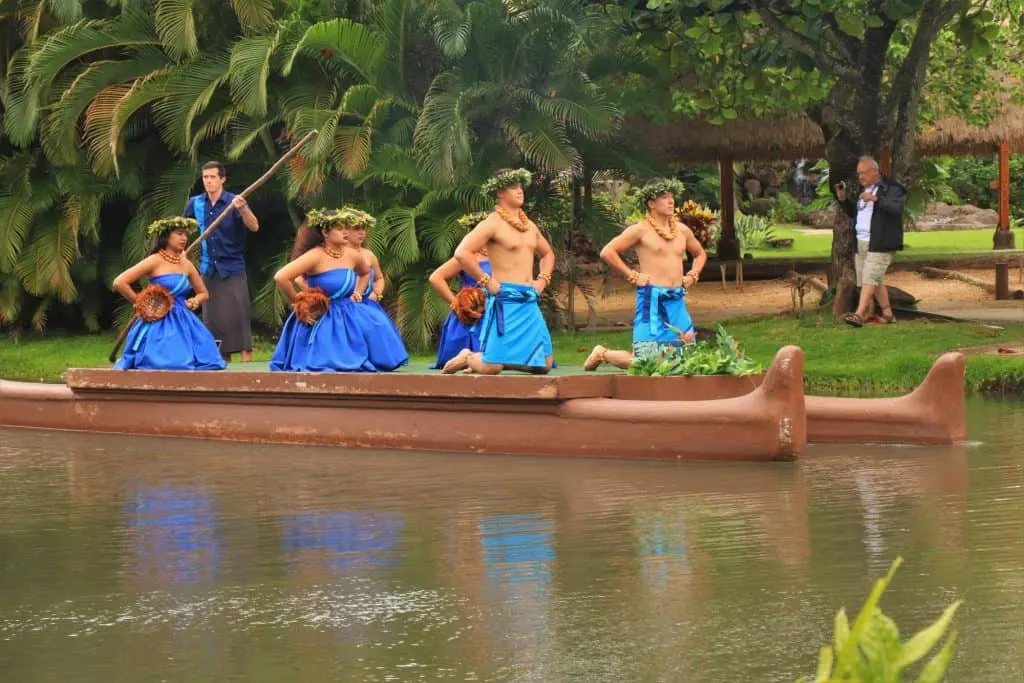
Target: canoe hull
(573, 416)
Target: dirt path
(708, 301)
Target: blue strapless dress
(454, 335)
(387, 350)
(336, 342)
(178, 341)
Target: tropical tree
(859, 68)
(100, 106)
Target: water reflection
(344, 540)
(329, 565)
(172, 535)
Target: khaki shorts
(871, 265)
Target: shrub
(870, 650)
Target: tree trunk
(570, 265)
(842, 153)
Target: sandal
(853, 319)
(889, 319)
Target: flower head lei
(656, 188)
(471, 220)
(506, 178)
(189, 225)
(345, 217)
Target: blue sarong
(513, 331)
(656, 309)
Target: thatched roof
(789, 137)
(953, 135)
(770, 139)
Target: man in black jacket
(878, 219)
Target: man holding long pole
(222, 261)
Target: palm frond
(253, 15)
(45, 263)
(358, 47)
(242, 132)
(11, 298)
(360, 99)
(419, 310)
(76, 42)
(269, 305)
(59, 130)
(22, 102)
(544, 144)
(167, 199)
(442, 138)
(39, 316)
(176, 26)
(352, 148)
(182, 96)
(99, 125)
(16, 215)
(250, 71)
(452, 29)
(395, 236)
(213, 127)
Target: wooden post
(1003, 238)
(1004, 185)
(728, 244)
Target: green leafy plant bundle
(721, 357)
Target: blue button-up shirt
(225, 245)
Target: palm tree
(98, 105)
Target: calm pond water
(137, 560)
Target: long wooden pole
(252, 188)
(216, 221)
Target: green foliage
(870, 651)
(970, 178)
(786, 209)
(753, 232)
(416, 102)
(722, 357)
(702, 184)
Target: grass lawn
(876, 359)
(918, 244)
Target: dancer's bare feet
(459, 362)
(595, 358)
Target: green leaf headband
(656, 188)
(471, 220)
(345, 217)
(506, 178)
(189, 225)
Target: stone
(768, 177)
(760, 207)
(752, 187)
(942, 216)
(823, 219)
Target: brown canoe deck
(575, 415)
(764, 417)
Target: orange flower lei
(519, 222)
(667, 234)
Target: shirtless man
(513, 334)
(661, 243)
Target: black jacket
(887, 216)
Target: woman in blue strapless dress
(336, 341)
(455, 335)
(387, 350)
(178, 340)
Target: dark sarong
(227, 314)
